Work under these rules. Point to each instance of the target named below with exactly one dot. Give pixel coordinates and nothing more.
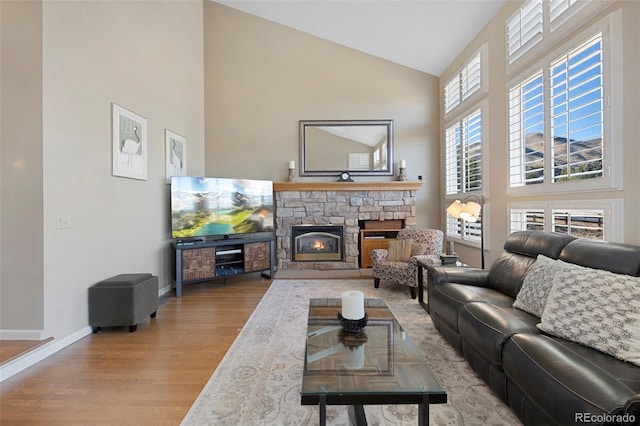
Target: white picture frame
(129, 143)
(176, 154)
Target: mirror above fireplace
(360, 147)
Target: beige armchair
(398, 264)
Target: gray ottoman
(123, 300)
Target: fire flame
(318, 246)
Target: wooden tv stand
(208, 260)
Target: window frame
(466, 107)
(471, 97)
(613, 213)
(610, 27)
(553, 32)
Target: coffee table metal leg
(361, 418)
(423, 412)
(323, 410)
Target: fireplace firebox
(313, 243)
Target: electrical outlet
(63, 222)
(60, 313)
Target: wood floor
(151, 376)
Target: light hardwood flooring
(151, 376)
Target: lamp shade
(470, 212)
(455, 208)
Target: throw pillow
(417, 249)
(536, 285)
(598, 309)
(400, 250)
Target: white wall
(21, 184)
(146, 57)
(261, 78)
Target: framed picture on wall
(129, 140)
(176, 154)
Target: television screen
(202, 206)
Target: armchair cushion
(400, 251)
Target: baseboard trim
(22, 363)
(22, 335)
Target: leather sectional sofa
(545, 379)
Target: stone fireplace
(311, 243)
(342, 204)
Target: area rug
(258, 381)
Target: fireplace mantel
(347, 186)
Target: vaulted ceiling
(426, 35)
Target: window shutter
(471, 77)
(453, 160)
(577, 112)
(579, 223)
(452, 93)
(526, 131)
(526, 220)
(524, 29)
(472, 151)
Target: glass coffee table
(381, 365)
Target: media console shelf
(206, 261)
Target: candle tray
(353, 326)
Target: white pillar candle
(292, 164)
(353, 305)
(403, 164)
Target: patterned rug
(258, 381)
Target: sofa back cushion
(521, 250)
(613, 257)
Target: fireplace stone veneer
(333, 203)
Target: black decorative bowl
(353, 326)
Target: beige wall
(21, 185)
(261, 78)
(144, 56)
(493, 35)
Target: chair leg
(414, 292)
(376, 282)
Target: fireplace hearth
(313, 243)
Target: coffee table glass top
(382, 360)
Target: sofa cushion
(446, 299)
(521, 248)
(486, 327)
(618, 258)
(596, 308)
(562, 378)
(537, 284)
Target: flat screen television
(220, 207)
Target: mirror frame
(305, 171)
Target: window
(594, 219)
(464, 83)
(469, 231)
(463, 142)
(524, 29)
(557, 116)
(463, 103)
(539, 24)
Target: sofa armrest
(459, 275)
